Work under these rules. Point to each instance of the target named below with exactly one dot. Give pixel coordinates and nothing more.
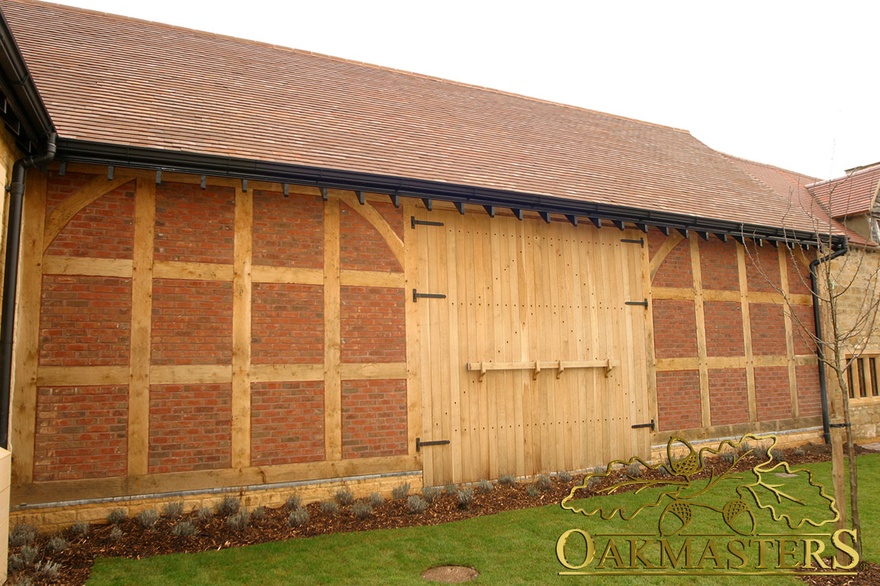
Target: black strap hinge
(417, 295)
(415, 222)
(420, 443)
(641, 425)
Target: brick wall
(655, 239)
(288, 231)
(718, 266)
(373, 418)
(392, 215)
(803, 329)
(772, 392)
(728, 398)
(809, 399)
(85, 321)
(103, 229)
(762, 268)
(81, 432)
(728, 366)
(190, 427)
(797, 266)
(724, 328)
(768, 329)
(675, 328)
(676, 268)
(287, 422)
(361, 246)
(287, 324)
(194, 224)
(192, 322)
(678, 399)
(373, 325)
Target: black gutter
(10, 278)
(77, 151)
(820, 351)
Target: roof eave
(97, 153)
(24, 106)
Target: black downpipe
(10, 277)
(820, 352)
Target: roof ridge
(769, 166)
(337, 59)
(758, 179)
(849, 174)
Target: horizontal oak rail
(537, 366)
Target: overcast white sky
(789, 83)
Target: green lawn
(516, 547)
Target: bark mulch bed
(128, 538)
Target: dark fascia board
(20, 91)
(96, 153)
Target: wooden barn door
(533, 362)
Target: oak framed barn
(248, 268)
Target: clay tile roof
(117, 80)
(851, 195)
(793, 189)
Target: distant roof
(119, 81)
(851, 195)
(793, 189)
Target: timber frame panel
(787, 295)
(140, 374)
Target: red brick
(675, 270)
(85, 321)
(81, 433)
(767, 323)
(718, 265)
(287, 422)
(190, 427)
(803, 329)
(728, 396)
(192, 322)
(373, 324)
(678, 400)
(362, 247)
(194, 224)
(798, 273)
(762, 268)
(656, 239)
(374, 418)
(809, 397)
(102, 229)
(675, 329)
(288, 231)
(287, 324)
(772, 393)
(724, 331)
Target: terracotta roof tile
(117, 80)
(851, 195)
(795, 188)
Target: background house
(256, 269)
(852, 200)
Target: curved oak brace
(671, 242)
(75, 202)
(370, 214)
